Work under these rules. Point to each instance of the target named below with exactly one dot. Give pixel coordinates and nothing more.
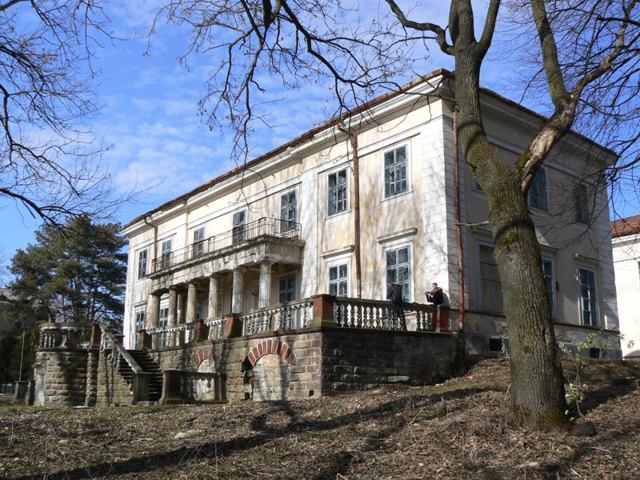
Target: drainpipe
(353, 139)
(456, 186)
(155, 238)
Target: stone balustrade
(62, 335)
(320, 311)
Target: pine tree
(74, 274)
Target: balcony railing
(264, 227)
(341, 312)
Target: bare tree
(47, 163)
(584, 56)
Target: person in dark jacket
(436, 295)
(394, 294)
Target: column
(264, 292)
(238, 291)
(173, 308)
(214, 288)
(172, 318)
(182, 307)
(192, 295)
(153, 311)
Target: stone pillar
(237, 302)
(182, 305)
(153, 311)
(214, 288)
(264, 295)
(173, 308)
(192, 296)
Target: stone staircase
(150, 367)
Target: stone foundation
(60, 377)
(111, 388)
(313, 362)
(488, 334)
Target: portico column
(172, 318)
(264, 292)
(153, 311)
(238, 291)
(182, 310)
(173, 308)
(214, 286)
(191, 303)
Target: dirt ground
(457, 430)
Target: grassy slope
(460, 429)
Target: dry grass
(457, 430)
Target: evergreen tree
(75, 274)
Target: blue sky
(148, 117)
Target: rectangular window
(239, 232)
(288, 211)
(163, 321)
(395, 172)
(399, 270)
(549, 283)
(339, 280)
(139, 318)
(581, 204)
(538, 191)
(198, 242)
(491, 292)
(588, 299)
(337, 192)
(165, 259)
(143, 260)
(287, 289)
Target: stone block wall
(264, 367)
(313, 362)
(355, 360)
(112, 389)
(60, 377)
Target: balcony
(272, 234)
(326, 310)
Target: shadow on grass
(338, 462)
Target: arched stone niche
(205, 385)
(270, 378)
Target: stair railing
(140, 379)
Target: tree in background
(75, 274)
(583, 56)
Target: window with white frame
(139, 318)
(163, 321)
(538, 191)
(337, 192)
(395, 171)
(398, 260)
(339, 279)
(197, 248)
(588, 299)
(490, 290)
(166, 248)
(581, 204)
(239, 232)
(288, 211)
(549, 283)
(143, 262)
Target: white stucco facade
(407, 229)
(626, 261)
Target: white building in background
(282, 227)
(625, 235)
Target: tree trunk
(537, 386)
